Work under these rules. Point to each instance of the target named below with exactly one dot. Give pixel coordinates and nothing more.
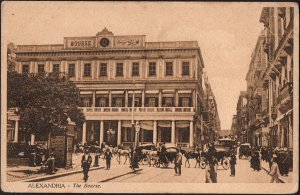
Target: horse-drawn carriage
(222, 150)
(245, 150)
(166, 156)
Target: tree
(45, 101)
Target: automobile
(245, 150)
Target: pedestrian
(232, 164)
(285, 162)
(178, 162)
(50, 164)
(108, 156)
(211, 171)
(135, 161)
(274, 170)
(86, 162)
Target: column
(101, 132)
(290, 132)
(119, 132)
(16, 138)
(155, 132)
(32, 139)
(109, 99)
(84, 133)
(143, 98)
(191, 133)
(176, 99)
(94, 98)
(194, 98)
(126, 98)
(159, 99)
(173, 133)
(81, 69)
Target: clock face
(104, 42)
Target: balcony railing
(137, 109)
(285, 93)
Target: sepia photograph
(149, 97)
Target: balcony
(138, 113)
(285, 98)
(137, 109)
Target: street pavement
(146, 174)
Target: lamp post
(137, 130)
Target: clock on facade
(104, 42)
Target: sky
(226, 33)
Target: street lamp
(137, 130)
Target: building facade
(255, 92)
(125, 81)
(269, 107)
(241, 122)
(278, 77)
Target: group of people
(87, 160)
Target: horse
(191, 155)
(122, 152)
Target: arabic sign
(128, 41)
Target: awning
(126, 124)
(86, 92)
(284, 115)
(182, 124)
(164, 124)
(147, 125)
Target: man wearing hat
(50, 163)
(86, 162)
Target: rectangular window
(103, 69)
(152, 68)
(102, 102)
(86, 102)
(151, 102)
(169, 68)
(87, 70)
(186, 68)
(25, 68)
(185, 102)
(119, 72)
(135, 69)
(41, 68)
(55, 67)
(71, 71)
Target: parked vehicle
(245, 150)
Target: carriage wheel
(202, 164)
(226, 163)
(144, 161)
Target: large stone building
(256, 96)
(125, 81)
(269, 111)
(278, 77)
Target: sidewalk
(283, 179)
(23, 172)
